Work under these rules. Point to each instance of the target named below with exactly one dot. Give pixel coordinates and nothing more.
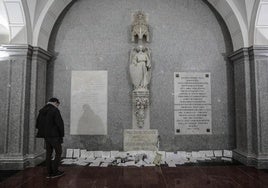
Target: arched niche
(186, 36)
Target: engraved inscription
(140, 139)
(192, 103)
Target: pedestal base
(146, 139)
(20, 162)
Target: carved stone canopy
(140, 28)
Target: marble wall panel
(185, 37)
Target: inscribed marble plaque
(192, 103)
(89, 103)
(140, 139)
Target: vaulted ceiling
(31, 21)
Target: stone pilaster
(23, 89)
(251, 105)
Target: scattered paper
(171, 156)
(188, 154)
(226, 159)
(89, 160)
(68, 161)
(106, 154)
(208, 153)
(196, 154)
(130, 163)
(76, 153)
(69, 153)
(150, 164)
(95, 164)
(89, 154)
(108, 160)
(171, 164)
(181, 154)
(180, 162)
(141, 158)
(192, 160)
(218, 153)
(114, 153)
(104, 164)
(98, 154)
(227, 153)
(83, 153)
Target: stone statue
(140, 67)
(140, 27)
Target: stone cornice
(258, 51)
(41, 53)
(250, 52)
(26, 50)
(239, 54)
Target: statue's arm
(132, 58)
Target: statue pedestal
(140, 139)
(140, 109)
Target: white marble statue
(140, 67)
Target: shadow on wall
(89, 122)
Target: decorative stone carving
(140, 109)
(140, 67)
(140, 28)
(141, 106)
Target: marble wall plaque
(192, 103)
(140, 139)
(89, 103)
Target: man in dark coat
(51, 127)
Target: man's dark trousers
(53, 144)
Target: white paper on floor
(141, 158)
(218, 153)
(83, 153)
(76, 153)
(227, 153)
(69, 153)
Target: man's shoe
(57, 174)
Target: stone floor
(237, 176)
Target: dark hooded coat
(49, 122)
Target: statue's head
(140, 48)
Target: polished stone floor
(237, 176)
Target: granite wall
(187, 36)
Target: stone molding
(30, 51)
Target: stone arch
(253, 22)
(20, 28)
(234, 21)
(46, 21)
(227, 9)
